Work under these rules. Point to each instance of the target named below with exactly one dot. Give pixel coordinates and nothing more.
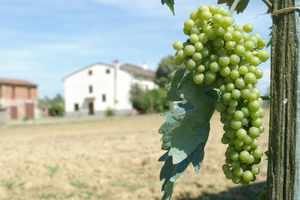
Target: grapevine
(219, 57)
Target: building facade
(99, 87)
(18, 99)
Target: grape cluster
(223, 55)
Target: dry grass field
(111, 159)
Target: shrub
(109, 112)
(55, 105)
(148, 101)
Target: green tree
(148, 101)
(55, 105)
(165, 71)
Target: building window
(90, 72)
(76, 107)
(107, 71)
(103, 97)
(90, 89)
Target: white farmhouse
(98, 87)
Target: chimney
(145, 66)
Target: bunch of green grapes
(223, 55)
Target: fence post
(284, 139)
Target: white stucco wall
(76, 89)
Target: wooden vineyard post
(284, 140)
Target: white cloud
(154, 7)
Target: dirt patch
(113, 159)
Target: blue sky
(43, 41)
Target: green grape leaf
(240, 6)
(170, 4)
(170, 173)
(186, 129)
(199, 105)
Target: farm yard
(111, 159)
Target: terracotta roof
(5, 81)
(138, 71)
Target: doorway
(14, 112)
(29, 110)
(91, 108)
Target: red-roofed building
(18, 98)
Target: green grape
(189, 50)
(240, 83)
(257, 123)
(258, 74)
(247, 140)
(199, 79)
(234, 74)
(213, 57)
(230, 45)
(190, 64)
(227, 97)
(188, 25)
(194, 38)
(202, 38)
(227, 36)
(224, 61)
(250, 78)
(217, 19)
(255, 60)
(238, 144)
(244, 156)
(255, 169)
(263, 55)
(197, 56)
(198, 46)
(178, 45)
(214, 67)
(257, 154)
(252, 69)
(233, 103)
(201, 68)
(241, 134)
(238, 115)
(247, 176)
(205, 52)
(249, 45)
(248, 28)
(234, 156)
(235, 125)
(234, 59)
(225, 71)
(179, 57)
(240, 50)
(254, 132)
(229, 87)
(227, 21)
(236, 94)
(245, 122)
(254, 105)
(237, 36)
(261, 44)
(254, 144)
(210, 78)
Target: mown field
(112, 159)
